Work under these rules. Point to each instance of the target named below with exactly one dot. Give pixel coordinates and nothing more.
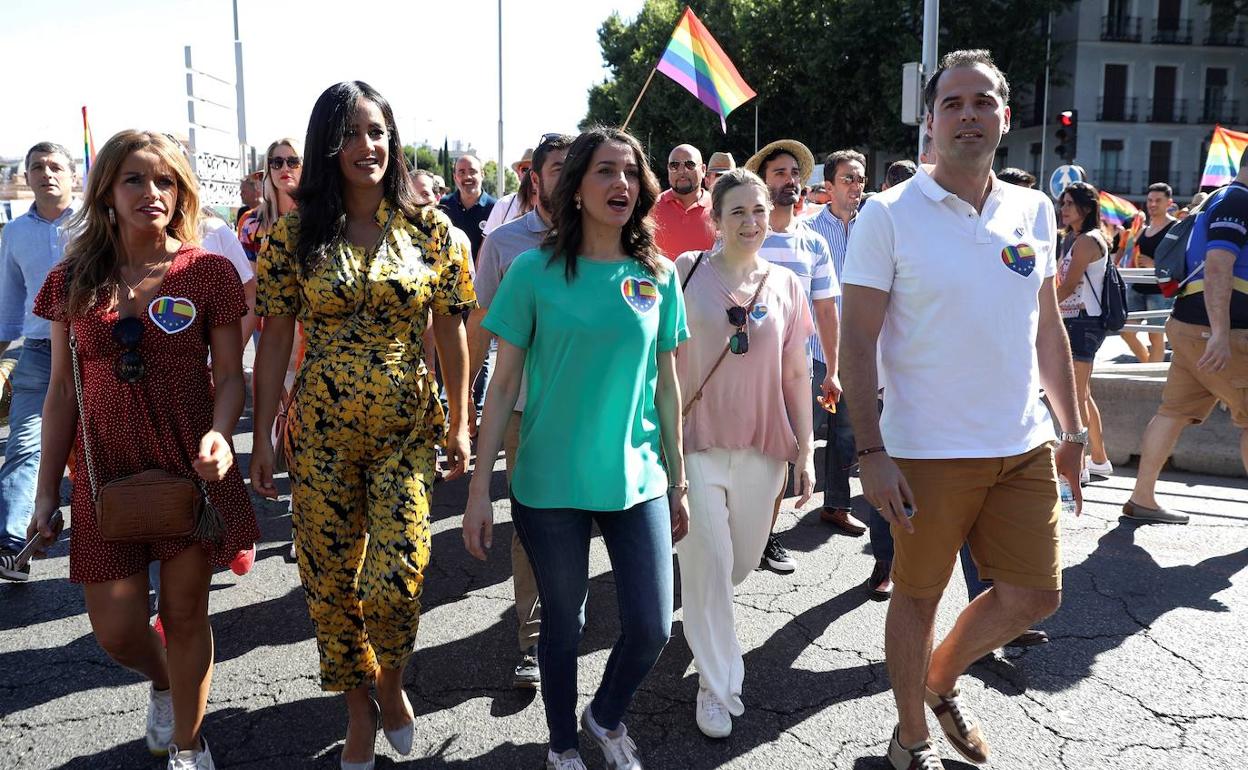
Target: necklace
(135, 287)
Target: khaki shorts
(1006, 507)
(1191, 394)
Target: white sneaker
(620, 751)
(1084, 477)
(191, 760)
(1100, 469)
(159, 721)
(713, 718)
(568, 760)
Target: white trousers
(732, 493)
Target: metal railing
(1168, 110)
(1117, 181)
(1142, 276)
(1124, 110)
(1220, 111)
(1172, 31)
(1124, 29)
(1225, 35)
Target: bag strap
(311, 356)
(727, 347)
(692, 270)
(82, 413)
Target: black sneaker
(10, 569)
(528, 675)
(777, 557)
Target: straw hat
(525, 160)
(721, 162)
(805, 160)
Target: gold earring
(112, 217)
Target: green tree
(827, 72)
(511, 182)
(423, 156)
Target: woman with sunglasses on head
(746, 386)
(360, 264)
(593, 319)
(1080, 280)
(136, 309)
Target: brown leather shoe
(840, 518)
(880, 584)
(1138, 512)
(960, 727)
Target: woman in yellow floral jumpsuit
(360, 265)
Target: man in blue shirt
(31, 245)
(469, 206)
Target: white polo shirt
(958, 345)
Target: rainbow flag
(1115, 210)
(88, 145)
(1222, 163)
(695, 61)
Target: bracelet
(684, 487)
(871, 450)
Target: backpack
(1170, 259)
(1112, 298)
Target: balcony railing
(1174, 31)
(1167, 110)
(1173, 178)
(1226, 34)
(1113, 180)
(1124, 110)
(1124, 29)
(1220, 111)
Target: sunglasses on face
(292, 162)
(676, 165)
(128, 333)
(851, 179)
(739, 343)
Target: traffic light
(1067, 134)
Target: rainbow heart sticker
(759, 312)
(640, 293)
(1021, 258)
(171, 314)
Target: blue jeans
(639, 543)
(20, 470)
(838, 456)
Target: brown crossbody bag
(148, 506)
(728, 346)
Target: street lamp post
(500, 178)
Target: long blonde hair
(91, 258)
(268, 213)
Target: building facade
(1149, 79)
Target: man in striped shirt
(784, 166)
(844, 179)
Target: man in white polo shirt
(952, 274)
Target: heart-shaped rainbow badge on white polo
(171, 314)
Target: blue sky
(436, 62)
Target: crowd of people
(664, 362)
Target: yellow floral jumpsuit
(363, 431)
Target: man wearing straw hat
(718, 164)
(785, 165)
(517, 204)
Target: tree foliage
(423, 156)
(827, 72)
(511, 182)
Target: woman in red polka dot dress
(146, 307)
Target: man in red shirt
(682, 215)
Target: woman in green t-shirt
(593, 319)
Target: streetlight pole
(500, 178)
(931, 44)
(241, 109)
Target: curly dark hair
(567, 228)
(322, 213)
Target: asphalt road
(1145, 670)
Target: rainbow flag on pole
(695, 61)
(1222, 163)
(1115, 210)
(88, 146)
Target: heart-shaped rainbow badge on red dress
(171, 314)
(1021, 258)
(640, 293)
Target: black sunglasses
(549, 138)
(675, 165)
(292, 162)
(739, 343)
(128, 333)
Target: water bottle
(1068, 497)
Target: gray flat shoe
(1136, 511)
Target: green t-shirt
(589, 438)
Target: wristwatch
(1075, 438)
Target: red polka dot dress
(158, 421)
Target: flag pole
(653, 69)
